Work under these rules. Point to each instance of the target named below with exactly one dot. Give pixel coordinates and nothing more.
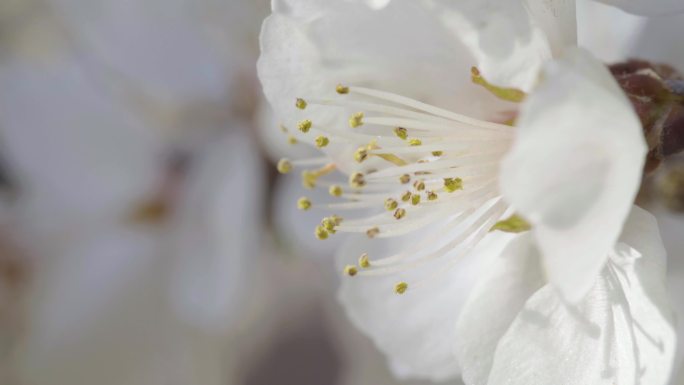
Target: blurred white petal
(217, 233)
(575, 168)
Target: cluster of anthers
(419, 165)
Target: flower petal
(494, 304)
(575, 168)
(414, 329)
(310, 46)
(648, 7)
(216, 234)
(620, 333)
(511, 39)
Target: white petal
(97, 314)
(648, 7)
(153, 46)
(511, 39)
(608, 32)
(415, 329)
(620, 333)
(493, 305)
(660, 41)
(308, 47)
(216, 233)
(575, 168)
(75, 151)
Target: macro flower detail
(445, 164)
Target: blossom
(450, 154)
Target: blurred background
(145, 238)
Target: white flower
(436, 152)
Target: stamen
(321, 233)
(415, 199)
(513, 224)
(350, 270)
(309, 177)
(401, 287)
(419, 185)
(372, 232)
(335, 190)
(406, 196)
(453, 184)
(305, 125)
(399, 213)
(300, 103)
(391, 204)
(342, 90)
(405, 179)
(304, 203)
(361, 154)
(322, 141)
(431, 196)
(291, 140)
(437, 153)
(356, 180)
(508, 94)
(356, 120)
(284, 166)
(401, 132)
(364, 261)
(415, 142)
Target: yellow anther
(364, 261)
(509, 94)
(350, 270)
(391, 204)
(321, 233)
(404, 179)
(310, 177)
(432, 196)
(356, 180)
(329, 224)
(303, 203)
(401, 287)
(335, 190)
(514, 224)
(361, 154)
(291, 140)
(300, 103)
(322, 141)
(399, 213)
(415, 142)
(284, 166)
(336, 219)
(401, 132)
(305, 125)
(453, 184)
(415, 199)
(437, 153)
(356, 120)
(406, 196)
(419, 185)
(372, 232)
(342, 90)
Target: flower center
(419, 166)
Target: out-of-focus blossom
(125, 130)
